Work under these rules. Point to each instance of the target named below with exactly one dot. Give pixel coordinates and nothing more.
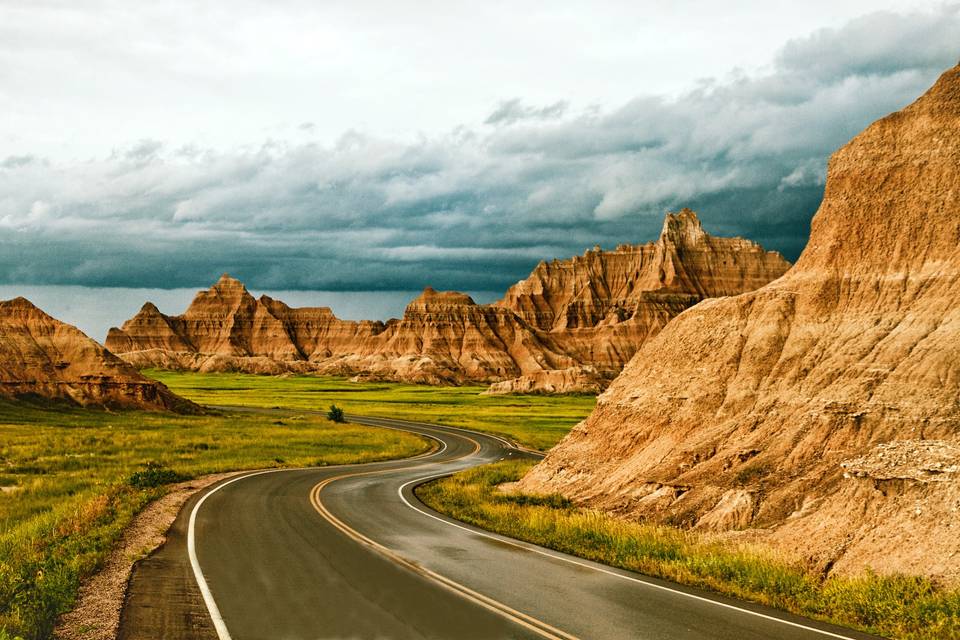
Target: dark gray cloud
(511, 111)
(478, 207)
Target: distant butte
(570, 326)
(41, 357)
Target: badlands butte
(821, 411)
(42, 357)
(570, 326)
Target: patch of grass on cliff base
(74, 478)
(537, 421)
(896, 606)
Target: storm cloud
(477, 207)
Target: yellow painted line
(518, 617)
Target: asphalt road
(349, 552)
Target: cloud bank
(478, 207)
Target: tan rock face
(602, 306)
(572, 380)
(41, 356)
(743, 410)
(591, 311)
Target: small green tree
(335, 414)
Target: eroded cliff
(821, 410)
(569, 327)
(43, 357)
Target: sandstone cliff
(579, 379)
(43, 357)
(602, 306)
(447, 338)
(443, 338)
(591, 311)
(822, 408)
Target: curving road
(349, 552)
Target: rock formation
(821, 409)
(590, 312)
(227, 329)
(45, 358)
(602, 306)
(447, 338)
(580, 379)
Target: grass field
(536, 421)
(901, 606)
(71, 479)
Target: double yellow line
(538, 626)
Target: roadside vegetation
(535, 421)
(72, 479)
(893, 606)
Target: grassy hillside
(536, 421)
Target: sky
(384, 146)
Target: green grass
(535, 421)
(75, 478)
(896, 606)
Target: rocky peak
(900, 177)
(227, 281)
(682, 228)
(39, 355)
(682, 267)
(149, 309)
(432, 300)
(20, 307)
(227, 296)
(17, 303)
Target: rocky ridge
(590, 312)
(602, 306)
(41, 357)
(820, 411)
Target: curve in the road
(349, 552)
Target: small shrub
(750, 474)
(154, 474)
(552, 500)
(335, 414)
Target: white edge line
(208, 600)
(218, 623)
(537, 549)
(508, 443)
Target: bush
(335, 414)
(154, 474)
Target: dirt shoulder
(100, 601)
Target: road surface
(349, 552)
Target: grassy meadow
(535, 421)
(71, 479)
(897, 606)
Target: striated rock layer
(602, 306)
(572, 380)
(591, 311)
(822, 408)
(43, 357)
